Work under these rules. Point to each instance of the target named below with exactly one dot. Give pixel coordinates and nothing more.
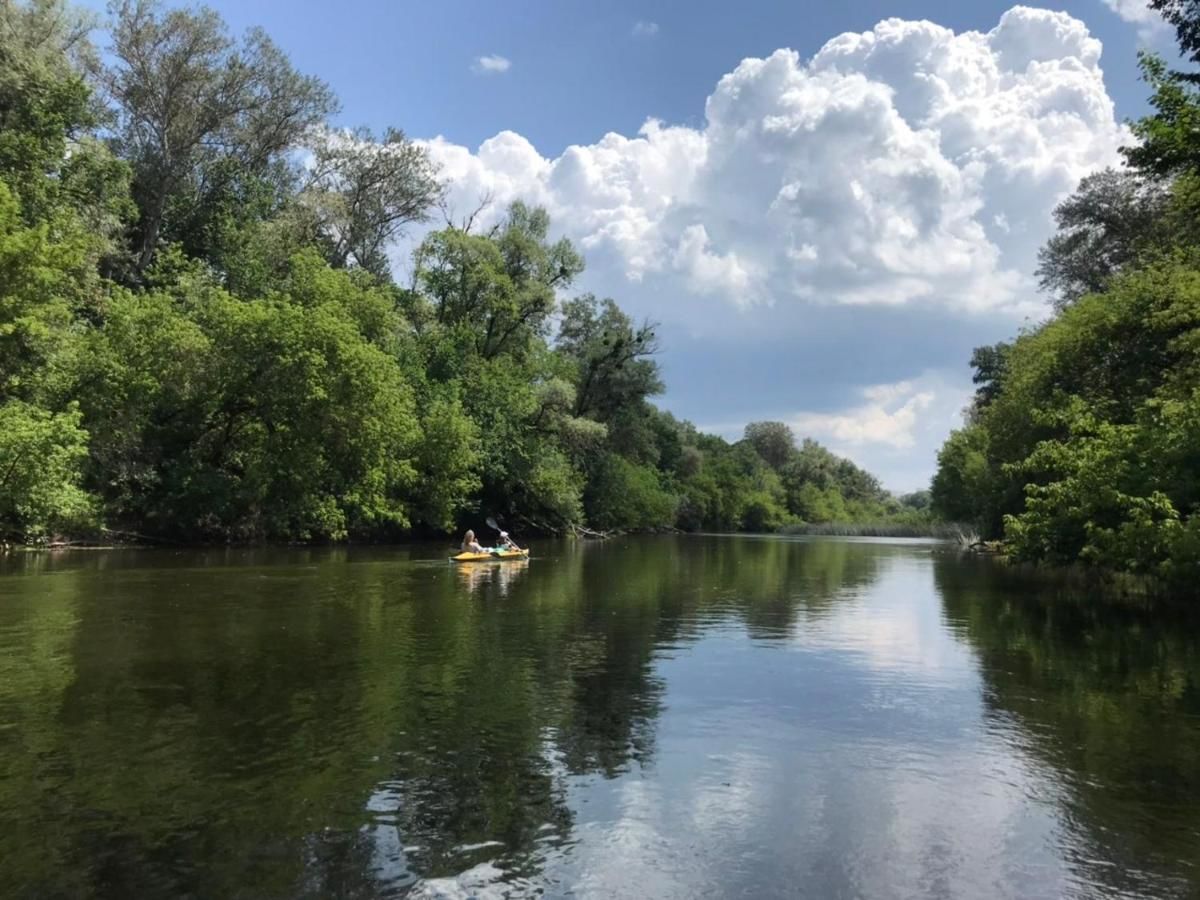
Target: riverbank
(1074, 578)
(950, 531)
(1078, 581)
(132, 541)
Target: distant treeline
(201, 338)
(1083, 441)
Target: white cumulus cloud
(645, 29)
(893, 429)
(492, 64)
(900, 175)
(888, 416)
(903, 165)
(1151, 25)
(707, 272)
(1136, 11)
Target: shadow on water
(1107, 695)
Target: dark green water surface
(651, 717)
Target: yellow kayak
(493, 555)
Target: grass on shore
(949, 531)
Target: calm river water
(670, 717)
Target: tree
(44, 101)
(537, 269)
(811, 463)
(991, 365)
(623, 495)
(1102, 228)
(196, 112)
(49, 157)
(815, 504)
(200, 337)
(269, 419)
(43, 282)
(446, 460)
(1089, 502)
(495, 291)
(1167, 142)
(612, 358)
(917, 500)
(481, 307)
(1184, 16)
(360, 193)
(961, 488)
(41, 469)
(856, 483)
(773, 441)
(1087, 453)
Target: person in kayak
(470, 545)
(507, 543)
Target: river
(660, 717)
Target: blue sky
(823, 241)
(576, 70)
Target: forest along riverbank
(1079, 446)
(202, 340)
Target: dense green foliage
(201, 339)
(1081, 445)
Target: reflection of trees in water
(636, 596)
(500, 576)
(767, 584)
(1109, 697)
(37, 626)
(773, 583)
(339, 724)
